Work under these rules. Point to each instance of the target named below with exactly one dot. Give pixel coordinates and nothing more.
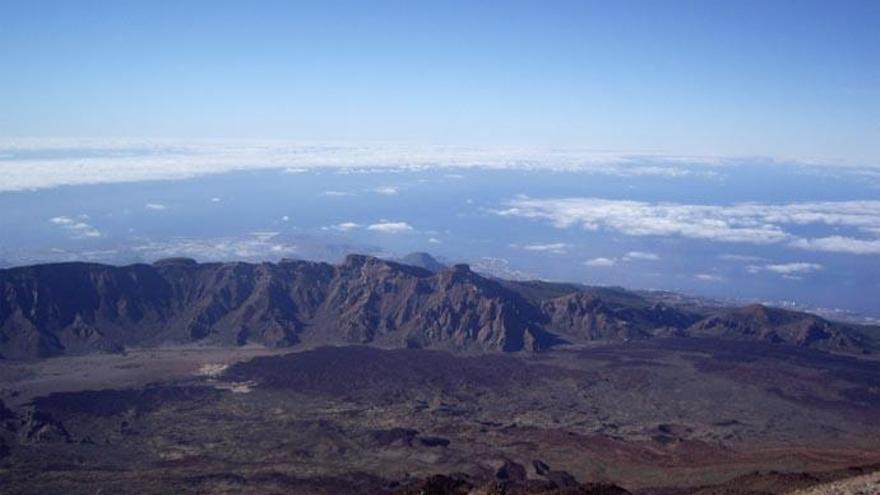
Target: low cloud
(641, 256)
(390, 227)
(131, 160)
(601, 262)
(839, 244)
(77, 228)
(336, 194)
(554, 248)
(739, 257)
(343, 227)
(387, 190)
(155, 206)
(752, 223)
(709, 277)
(626, 258)
(797, 268)
(256, 246)
(264, 236)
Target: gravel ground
(868, 484)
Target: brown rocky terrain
(654, 416)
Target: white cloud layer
(90, 161)
(753, 223)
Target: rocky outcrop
(371, 300)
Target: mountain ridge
(74, 308)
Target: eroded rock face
(373, 300)
(75, 308)
(584, 315)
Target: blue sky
(783, 79)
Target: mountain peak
(423, 260)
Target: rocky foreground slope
(662, 416)
(73, 308)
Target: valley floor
(674, 413)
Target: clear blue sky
(775, 78)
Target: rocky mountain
(53, 309)
(773, 325)
(592, 315)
